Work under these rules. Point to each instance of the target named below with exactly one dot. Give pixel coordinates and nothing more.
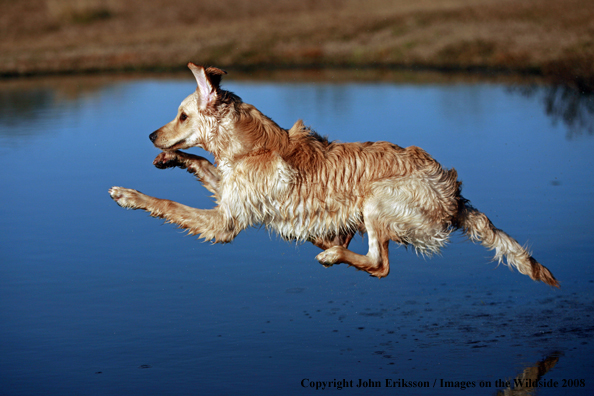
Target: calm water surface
(96, 300)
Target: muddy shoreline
(546, 39)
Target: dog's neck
(246, 133)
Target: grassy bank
(551, 38)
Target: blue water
(97, 300)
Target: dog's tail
(479, 228)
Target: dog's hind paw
(330, 256)
(125, 197)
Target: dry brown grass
(554, 38)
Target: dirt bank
(551, 38)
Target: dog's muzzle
(153, 136)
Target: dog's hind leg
(200, 167)
(210, 224)
(375, 262)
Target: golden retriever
(306, 188)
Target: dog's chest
(254, 191)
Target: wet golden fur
(306, 188)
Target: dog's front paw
(330, 256)
(167, 159)
(125, 197)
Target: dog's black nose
(153, 136)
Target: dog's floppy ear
(208, 82)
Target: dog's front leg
(202, 168)
(210, 224)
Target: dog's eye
(183, 116)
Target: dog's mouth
(177, 145)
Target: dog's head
(196, 117)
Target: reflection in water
(24, 102)
(529, 380)
(566, 105)
(22, 105)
